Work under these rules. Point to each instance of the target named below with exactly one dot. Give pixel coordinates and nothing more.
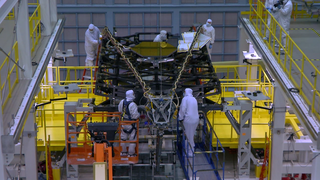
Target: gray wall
(130, 16)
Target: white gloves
(274, 8)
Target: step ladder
(84, 77)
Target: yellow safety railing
(8, 83)
(304, 13)
(10, 16)
(62, 76)
(36, 3)
(307, 85)
(35, 27)
(232, 79)
(255, 79)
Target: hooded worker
(189, 114)
(130, 112)
(91, 43)
(209, 31)
(269, 4)
(284, 17)
(161, 37)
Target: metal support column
(72, 170)
(278, 130)
(53, 11)
(176, 18)
(3, 173)
(244, 146)
(30, 148)
(23, 38)
(315, 163)
(46, 17)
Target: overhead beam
(152, 8)
(5, 7)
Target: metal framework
(243, 129)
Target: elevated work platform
(50, 118)
(294, 77)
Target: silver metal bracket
(278, 130)
(29, 134)
(279, 109)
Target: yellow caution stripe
(306, 29)
(310, 59)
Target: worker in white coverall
(209, 31)
(284, 18)
(161, 37)
(130, 112)
(269, 4)
(188, 113)
(91, 43)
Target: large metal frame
(158, 87)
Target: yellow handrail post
(314, 92)
(250, 14)
(301, 78)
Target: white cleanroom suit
(130, 112)
(161, 37)
(284, 18)
(269, 4)
(91, 43)
(189, 114)
(209, 31)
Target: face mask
(91, 31)
(184, 94)
(208, 25)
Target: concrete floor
(305, 33)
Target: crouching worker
(130, 112)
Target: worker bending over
(130, 112)
(161, 37)
(91, 43)
(188, 113)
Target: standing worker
(209, 31)
(161, 37)
(130, 112)
(284, 18)
(91, 43)
(188, 113)
(269, 4)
